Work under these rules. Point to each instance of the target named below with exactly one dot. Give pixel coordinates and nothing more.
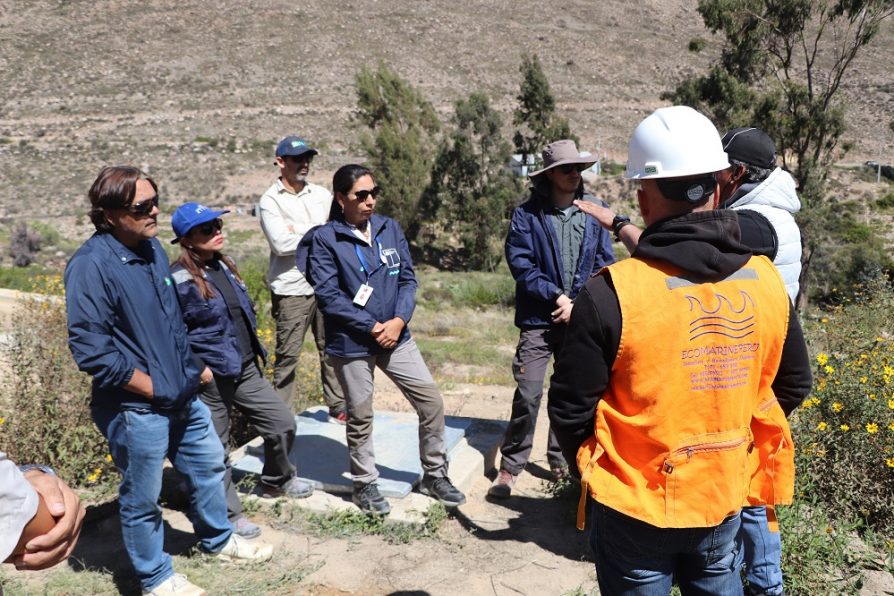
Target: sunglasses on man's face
(209, 228)
(143, 207)
(362, 195)
(568, 168)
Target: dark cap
(750, 145)
(294, 146)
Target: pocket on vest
(706, 477)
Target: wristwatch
(617, 223)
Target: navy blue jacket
(336, 273)
(535, 260)
(212, 332)
(123, 315)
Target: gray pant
(535, 347)
(405, 367)
(255, 398)
(294, 315)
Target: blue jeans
(139, 441)
(763, 553)
(633, 557)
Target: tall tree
(403, 127)
(536, 112)
(473, 188)
(781, 68)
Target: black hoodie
(706, 245)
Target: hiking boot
(368, 499)
(176, 585)
(502, 486)
(338, 415)
(294, 488)
(442, 490)
(238, 548)
(245, 528)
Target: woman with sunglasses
(220, 318)
(359, 264)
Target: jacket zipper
(693, 449)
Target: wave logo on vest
(724, 319)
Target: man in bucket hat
(288, 209)
(552, 248)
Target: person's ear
(738, 174)
(280, 161)
(643, 202)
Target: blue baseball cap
(190, 215)
(294, 146)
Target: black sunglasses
(568, 168)
(362, 195)
(209, 228)
(143, 207)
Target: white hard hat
(672, 142)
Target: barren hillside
(198, 92)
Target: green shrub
(845, 429)
(44, 400)
(886, 201)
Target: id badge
(362, 295)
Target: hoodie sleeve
(794, 378)
(583, 366)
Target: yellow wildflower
(890, 462)
(824, 320)
(828, 369)
(863, 380)
(822, 359)
(891, 426)
(95, 475)
(3, 420)
(891, 403)
(845, 427)
(871, 428)
(109, 457)
(821, 426)
(837, 406)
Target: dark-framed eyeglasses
(143, 207)
(362, 195)
(209, 228)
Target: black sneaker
(442, 490)
(368, 499)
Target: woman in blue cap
(220, 318)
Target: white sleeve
(282, 237)
(18, 504)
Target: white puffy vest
(776, 199)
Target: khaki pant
(293, 315)
(405, 367)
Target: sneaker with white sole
(238, 548)
(176, 585)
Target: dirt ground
(525, 545)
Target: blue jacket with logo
(338, 263)
(123, 315)
(535, 259)
(212, 332)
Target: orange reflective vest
(689, 429)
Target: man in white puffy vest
(754, 182)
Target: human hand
(603, 215)
(389, 332)
(206, 377)
(57, 544)
(563, 313)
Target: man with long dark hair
(125, 330)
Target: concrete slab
(320, 454)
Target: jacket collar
(124, 253)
